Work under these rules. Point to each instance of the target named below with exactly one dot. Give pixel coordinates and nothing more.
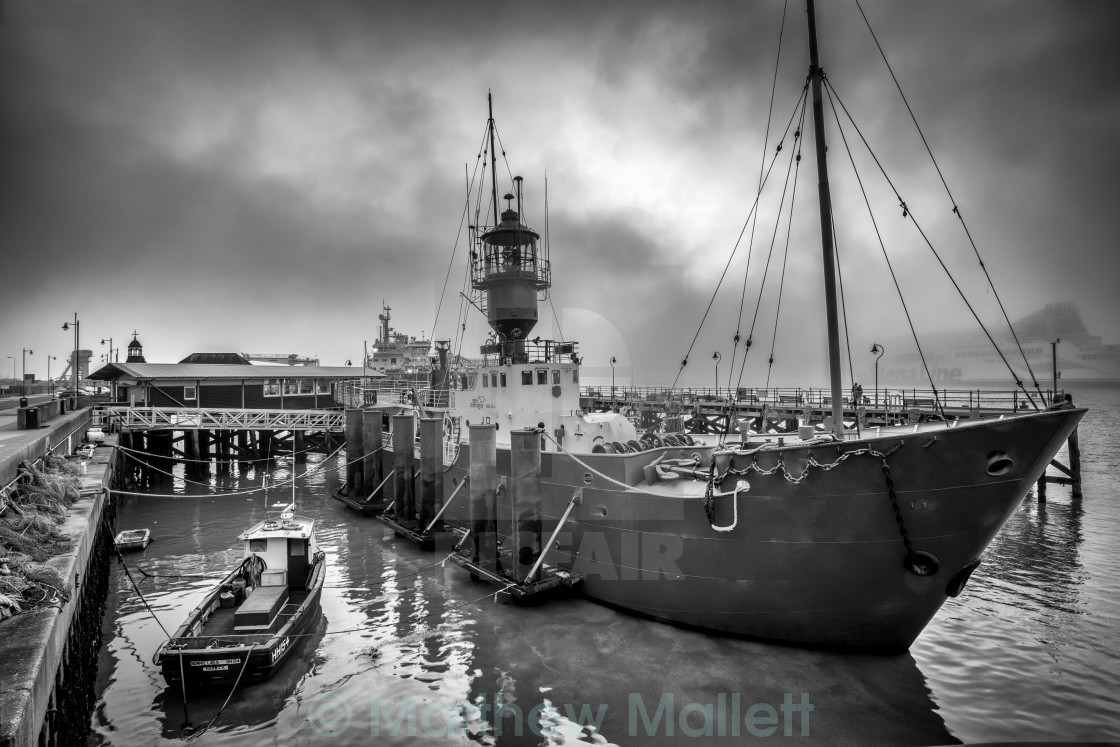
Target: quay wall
(50, 655)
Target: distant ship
(396, 354)
(968, 358)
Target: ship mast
(493, 158)
(815, 75)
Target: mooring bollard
(431, 469)
(483, 487)
(404, 491)
(371, 440)
(355, 484)
(525, 488)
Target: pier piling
(372, 428)
(484, 484)
(354, 452)
(431, 469)
(525, 499)
(404, 489)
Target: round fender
(658, 442)
(960, 578)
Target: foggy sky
(258, 176)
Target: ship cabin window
(272, 387)
(542, 376)
(190, 392)
(556, 377)
(494, 378)
(485, 380)
(575, 375)
(503, 376)
(258, 545)
(393, 362)
(322, 386)
(526, 377)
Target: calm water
(410, 650)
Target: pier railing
(890, 399)
(193, 418)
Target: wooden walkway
(209, 418)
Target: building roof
(215, 358)
(202, 371)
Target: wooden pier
(154, 438)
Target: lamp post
(717, 358)
(111, 349)
(877, 350)
(74, 360)
(13, 366)
(613, 361)
(1054, 364)
(23, 379)
(50, 382)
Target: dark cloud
(201, 171)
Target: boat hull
(811, 551)
(208, 660)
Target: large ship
(827, 536)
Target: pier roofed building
(224, 380)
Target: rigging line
(785, 256)
(738, 241)
(883, 248)
(761, 168)
(458, 234)
(908, 213)
(506, 162)
(774, 236)
(956, 208)
(142, 599)
(451, 263)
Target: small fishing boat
(247, 625)
(132, 539)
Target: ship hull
(815, 555)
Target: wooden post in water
(483, 487)
(299, 446)
(355, 485)
(1074, 457)
(193, 466)
(371, 459)
(431, 469)
(404, 490)
(525, 496)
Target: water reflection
(403, 630)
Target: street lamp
(111, 348)
(50, 382)
(877, 350)
(1054, 363)
(613, 361)
(717, 358)
(74, 360)
(23, 381)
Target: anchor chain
(916, 561)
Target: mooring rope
(252, 491)
(608, 478)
